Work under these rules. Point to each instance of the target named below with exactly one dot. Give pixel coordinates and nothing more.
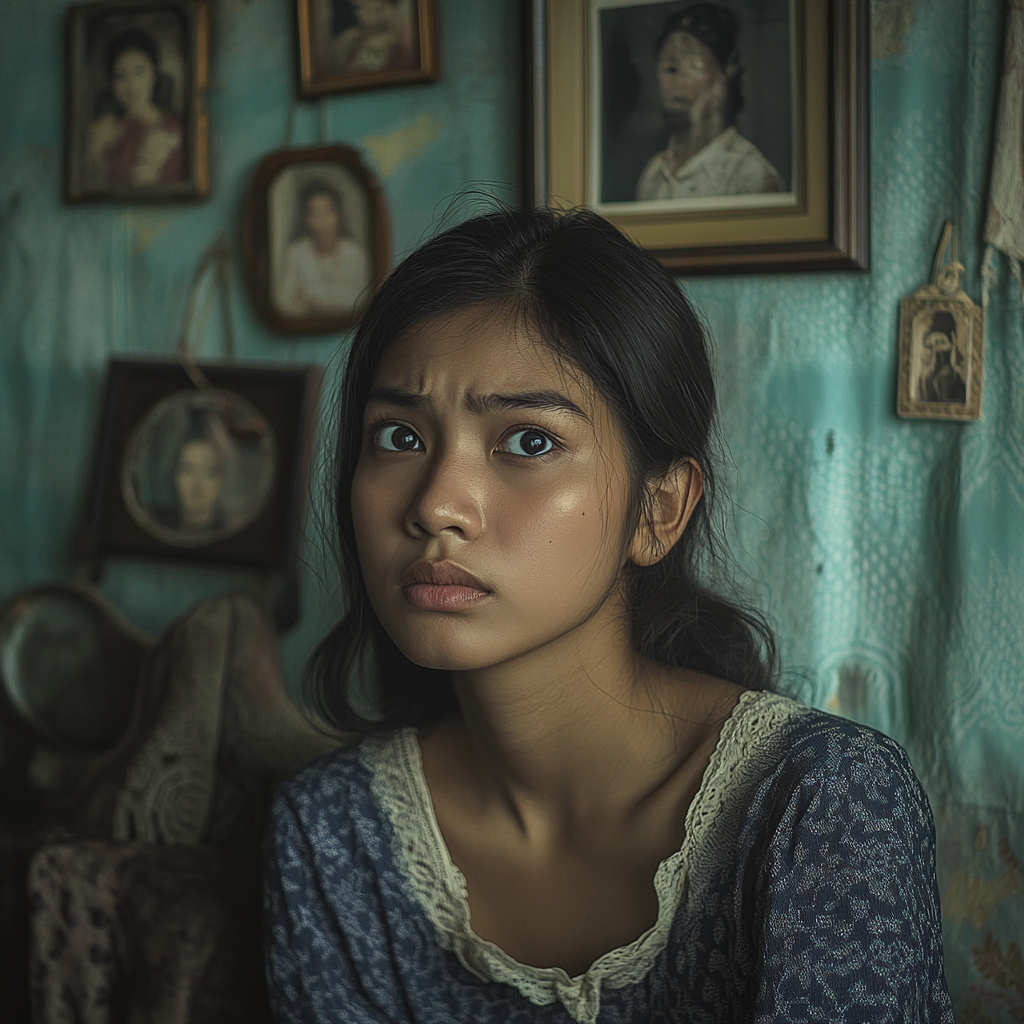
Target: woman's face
(198, 478)
(938, 341)
(490, 497)
(322, 219)
(132, 80)
(687, 72)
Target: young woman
(699, 84)
(576, 797)
(135, 138)
(324, 269)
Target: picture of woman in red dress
(135, 138)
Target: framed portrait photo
(213, 474)
(365, 44)
(135, 124)
(316, 238)
(725, 137)
(941, 356)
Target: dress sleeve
(850, 928)
(311, 956)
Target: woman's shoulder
(800, 742)
(816, 765)
(299, 247)
(822, 745)
(337, 782)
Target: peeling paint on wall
(144, 227)
(400, 146)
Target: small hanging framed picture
(316, 239)
(942, 335)
(365, 44)
(214, 473)
(136, 126)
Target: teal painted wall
(79, 284)
(889, 553)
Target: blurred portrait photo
(358, 44)
(695, 103)
(372, 35)
(939, 362)
(199, 467)
(319, 241)
(132, 81)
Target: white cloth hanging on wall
(1004, 227)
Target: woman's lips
(441, 597)
(441, 586)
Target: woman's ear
(673, 499)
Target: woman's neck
(582, 727)
(147, 113)
(685, 144)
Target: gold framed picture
(316, 238)
(366, 44)
(724, 138)
(135, 125)
(941, 356)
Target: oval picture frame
(304, 276)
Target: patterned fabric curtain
(892, 551)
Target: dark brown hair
(614, 315)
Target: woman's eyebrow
(553, 401)
(544, 400)
(399, 397)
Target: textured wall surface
(890, 553)
(81, 284)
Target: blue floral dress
(804, 890)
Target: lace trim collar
(400, 789)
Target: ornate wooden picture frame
(136, 126)
(782, 186)
(315, 237)
(354, 44)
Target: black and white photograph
(199, 467)
(135, 127)
(316, 238)
(940, 341)
(941, 357)
(694, 103)
(725, 137)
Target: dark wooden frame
(840, 204)
(256, 235)
(312, 85)
(286, 397)
(196, 14)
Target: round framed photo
(199, 467)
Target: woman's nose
(448, 502)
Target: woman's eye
(529, 442)
(394, 438)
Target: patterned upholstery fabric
(159, 921)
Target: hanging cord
(947, 277)
(217, 258)
(289, 127)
